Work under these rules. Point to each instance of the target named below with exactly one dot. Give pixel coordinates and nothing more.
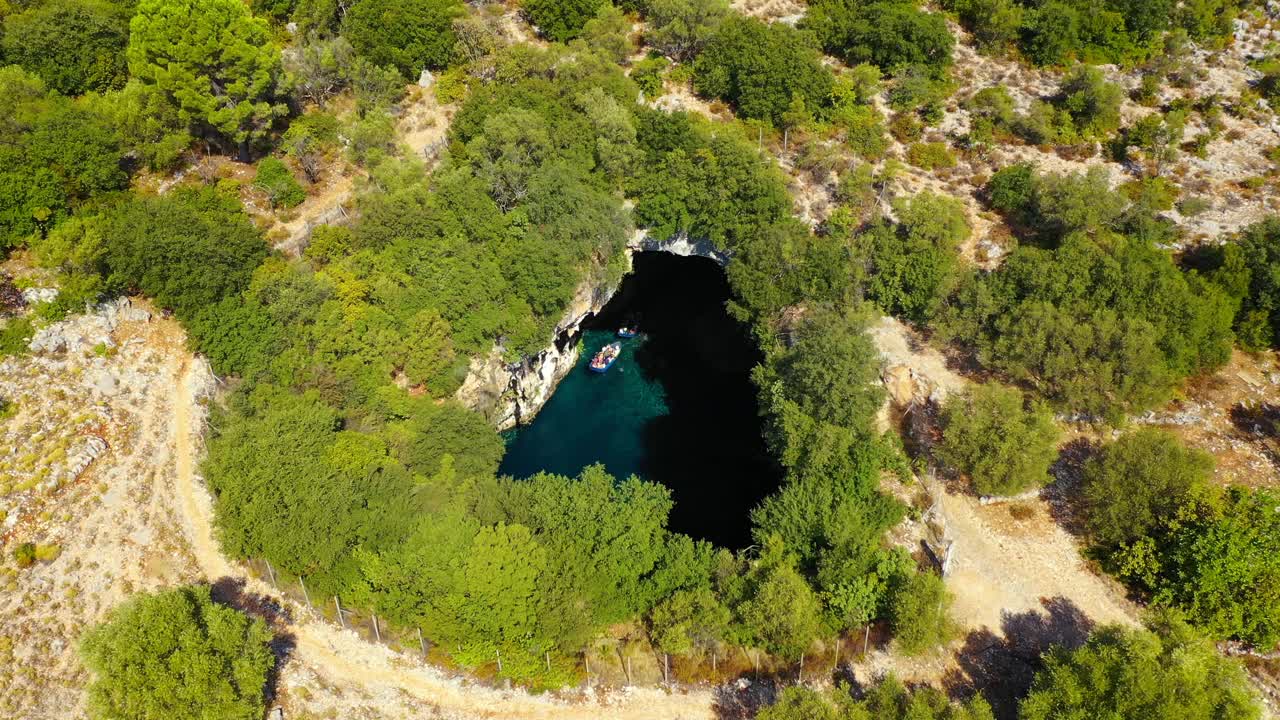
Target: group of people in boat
(608, 354)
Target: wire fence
(628, 661)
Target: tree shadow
(1002, 668)
(233, 593)
(1063, 494)
(1259, 424)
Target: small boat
(628, 331)
(604, 359)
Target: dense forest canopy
(340, 453)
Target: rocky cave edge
(511, 394)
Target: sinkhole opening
(677, 406)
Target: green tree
(1224, 571)
(913, 266)
(214, 62)
(1002, 447)
(781, 613)
(682, 28)
(1166, 673)
(74, 46)
(54, 154)
(276, 180)
(561, 20)
(830, 371)
(894, 36)
(188, 249)
(409, 35)
(760, 68)
(177, 654)
(1141, 482)
(689, 620)
(920, 614)
(799, 703)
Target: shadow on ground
(1002, 668)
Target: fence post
(305, 595)
(666, 667)
(837, 664)
(270, 572)
(586, 662)
(422, 643)
(498, 653)
(713, 662)
(340, 618)
(376, 633)
(628, 669)
(866, 638)
(548, 661)
(800, 672)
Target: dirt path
(1002, 566)
(342, 659)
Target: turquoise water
(678, 407)
(591, 417)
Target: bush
(920, 615)
(1140, 482)
(178, 655)
(930, 156)
(25, 554)
(561, 20)
(1003, 447)
(761, 68)
(1166, 673)
(277, 181)
(47, 553)
(14, 336)
(409, 35)
(1091, 101)
(648, 75)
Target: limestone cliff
(509, 394)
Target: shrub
(1141, 481)
(647, 74)
(919, 614)
(275, 179)
(178, 655)
(930, 156)
(561, 20)
(14, 336)
(1165, 673)
(1003, 447)
(47, 553)
(25, 554)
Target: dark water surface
(678, 406)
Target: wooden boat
(628, 331)
(604, 359)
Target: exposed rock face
(678, 244)
(509, 394)
(512, 393)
